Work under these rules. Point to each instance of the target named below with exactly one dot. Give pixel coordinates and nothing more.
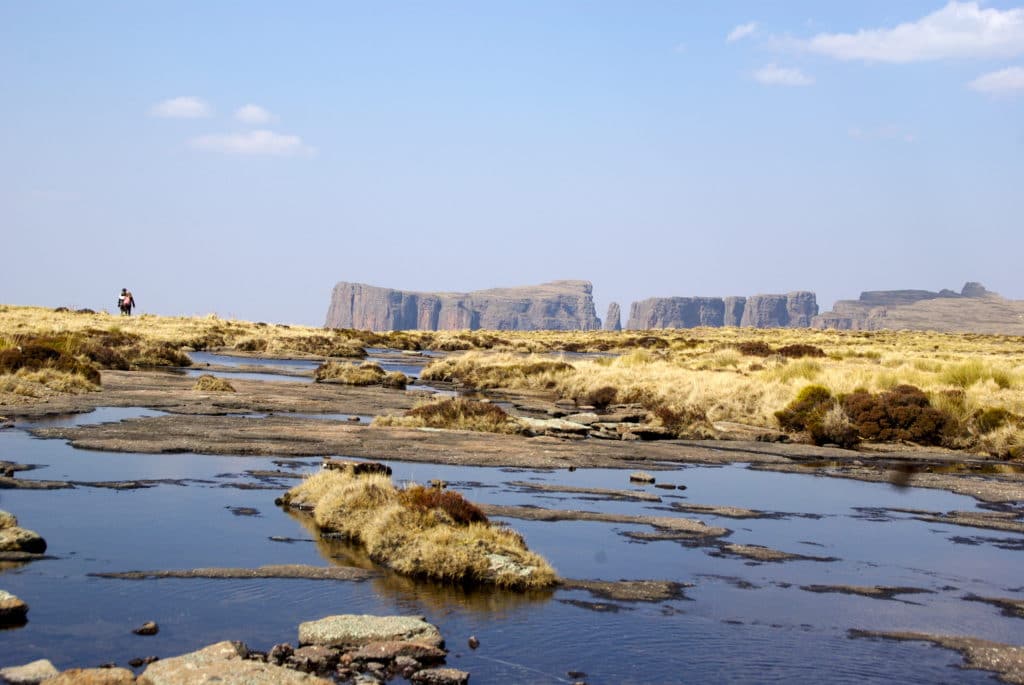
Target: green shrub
(901, 414)
(808, 408)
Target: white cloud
(774, 75)
(258, 142)
(741, 32)
(186, 107)
(254, 114)
(1003, 82)
(958, 30)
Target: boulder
(347, 631)
(224, 664)
(28, 674)
(559, 305)
(641, 477)
(314, 659)
(15, 539)
(440, 676)
(13, 611)
(94, 676)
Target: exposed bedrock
(974, 309)
(558, 305)
(793, 310)
(613, 322)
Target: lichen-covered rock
(224, 663)
(28, 674)
(94, 676)
(559, 305)
(440, 676)
(7, 520)
(15, 539)
(347, 631)
(12, 610)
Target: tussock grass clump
(817, 413)
(421, 532)
(686, 422)
(501, 370)
(40, 361)
(396, 380)
(210, 383)
(454, 413)
(366, 373)
(599, 397)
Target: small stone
(147, 628)
(28, 674)
(278, 654)
(473, 642)
(576, 675)
(440, 676)
(403, 662)
(13, 611)
(314, 659)
(641, 477)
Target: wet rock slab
(93, 676)
(607, 493)
(1014, 608)
(872, 591)
(1007, 661)
(630, 590)
(272, 571)
(761, 553)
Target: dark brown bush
(462, 511)
(755, 348)
(901, 414)
(601, 397)
(800, 350)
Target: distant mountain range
(569, 305)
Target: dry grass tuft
(454, 413)
(209, 383)
(366, 373)
(421, 532)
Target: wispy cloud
(1007, 81)
(890, 132)
(741, 32)
(774, 75)
(258, 142)
(958, 30)
(254, 114)
(185, 107)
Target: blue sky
(242, 157)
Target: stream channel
(742, 621)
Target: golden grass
(371, 511)
(454, 413)
(366, 373)
(211, 383)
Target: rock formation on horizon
(793, 310)
(613, 322)
(558, 305)
(974, 309)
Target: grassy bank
(420, 531)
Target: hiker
(125, 302)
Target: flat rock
(353, 630)
(584, 419)
(393, 649)
(440, 676)
(554, 427)
(223, 663)
(12, 610)
(28, 674)
(94, 676)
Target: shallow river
(741, 622)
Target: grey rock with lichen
(346, 631)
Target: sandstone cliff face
(613, 322)
(559, 305)
(974, 309)
(758, 311)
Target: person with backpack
(126, 302)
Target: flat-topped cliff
(974, 309)
(793, 310)
(558, 305)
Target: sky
(240, 158)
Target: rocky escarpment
(613, 322)
(793, 310)
(559, 305)
(974, 309)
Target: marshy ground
(771, 554)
